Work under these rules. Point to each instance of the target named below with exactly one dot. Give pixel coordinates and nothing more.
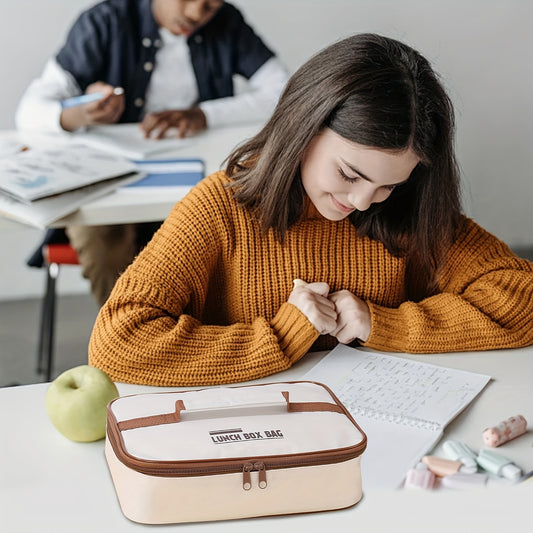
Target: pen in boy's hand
(86, 98)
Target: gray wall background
(481, 48)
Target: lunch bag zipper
(247, 476)
(233, 465)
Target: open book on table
(402, 405)
(171, 177)
(43, 173)
(42, 213)
(128, 141)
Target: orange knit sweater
(206, 301)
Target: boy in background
(175, 61)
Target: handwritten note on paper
(401, 405)
(399, 389)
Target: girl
(352, 186)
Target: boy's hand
(108, 109)
(184, 121)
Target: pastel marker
(441, 467)
(498, 465)
(459, 451)
(420, 478)
(505, 431)
(461, 481)
(87, 98)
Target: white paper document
(42, 213)
(128, 141)
(402, 405)
(41, 173)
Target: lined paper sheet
(401, 405)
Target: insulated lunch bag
(233, 452)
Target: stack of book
(40, 186)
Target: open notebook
(42, 173)
(42, 213)
(128, 141)
(402, 405)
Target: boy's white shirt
(40, 106)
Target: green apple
(76, 402)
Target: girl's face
(341, 176)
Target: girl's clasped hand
(340, 314)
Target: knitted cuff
(294, 332)
(389, 330)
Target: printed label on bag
(224, 436)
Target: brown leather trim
(179, 468)
(303, 407)
(172, 418)
(154, 420)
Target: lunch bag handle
(262, 402)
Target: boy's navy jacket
(116, 42)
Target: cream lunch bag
(233, 452)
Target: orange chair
(54, 255)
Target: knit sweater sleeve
(485, 302)
(152, 331)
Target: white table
(49, 484)
(212, 146)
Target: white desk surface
(119, 207)
(50, 484)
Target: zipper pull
(260, 467)
(246, 476)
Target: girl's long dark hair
(377, 92)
